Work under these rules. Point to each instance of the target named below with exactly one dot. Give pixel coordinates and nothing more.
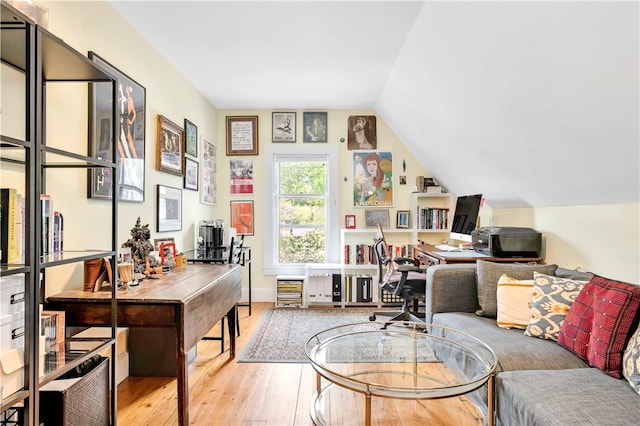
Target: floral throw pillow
(551, 299)
(631, 361)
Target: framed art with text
(168, 208)
(242, 135)
(208, 182)
(372, 179)
(127, 131)
(242, 217)
(170, 147)
(283, 126)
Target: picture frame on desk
(402, 219)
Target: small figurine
(141, 248)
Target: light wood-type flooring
(225, 392)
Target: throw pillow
(599, 321)
(550, 301)
(513, 298)
(631, 361)
(487, 281)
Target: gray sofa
(538, 382)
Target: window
(301, 219)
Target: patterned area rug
(282, 332)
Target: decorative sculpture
(141, 248)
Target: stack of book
(428, 185)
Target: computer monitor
(465, 217)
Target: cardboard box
(11, 371)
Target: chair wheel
(372, 318)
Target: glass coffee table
(405, 361)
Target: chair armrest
(405, 261)
(407, 268)
(450, 288)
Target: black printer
(507, 241)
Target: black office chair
(399, 276)
(235, 257)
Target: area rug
(282, 332)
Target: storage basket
(83, 401)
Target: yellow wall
(603, 239)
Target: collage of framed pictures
(128, 134)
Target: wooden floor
(225, 392)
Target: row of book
(12, 227)
(327, 288)
(364, 254)
(433, 218)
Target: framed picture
(168, 208)
(402, 219)
(128, 135)
(315, 126)
(372, 179)
(362, 132)
(190, 174)
(158, 241)
(372, 217)
(241, 176)
(350, 221)
(170, 147)
(283, 125)
(242, 135)
(209, 190)
(242, 217)
(190, 138)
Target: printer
(507, 241)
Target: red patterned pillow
(599, 323)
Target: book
(58, 232)
(10, 226)
(46, 242)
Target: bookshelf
(358, 260)
(36, 63)
(431, 215)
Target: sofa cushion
(631, 361)
(550, 302)
(514, 350)
(599, 322)
(490, 272)
(513, 300)
(584, 396)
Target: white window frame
(271, 266)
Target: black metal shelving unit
(44, 59)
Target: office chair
(399, 276)
(235, 257)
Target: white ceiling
(529, 103)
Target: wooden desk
(187, 302)
(430, 255)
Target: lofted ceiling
(530, 103)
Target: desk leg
(231, 320)
(183, 387)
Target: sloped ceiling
(529, 103)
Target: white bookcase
(431, 216)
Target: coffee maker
(211, 239)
